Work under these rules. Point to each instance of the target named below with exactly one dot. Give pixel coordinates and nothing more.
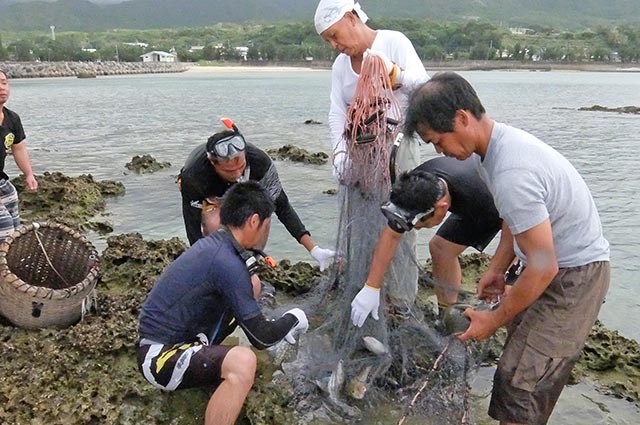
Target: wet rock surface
(621, 110)
(73, 201)
(87, 374)
(293, 279)
(146, 164)
(296, 154)
(613, 361)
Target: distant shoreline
(433, 66)
(93, 69)
(529, 66)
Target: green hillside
(82, 15)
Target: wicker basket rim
(53, 294)
(22, 286)
(24, 228)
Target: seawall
(87, 69)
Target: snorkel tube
(229, 124)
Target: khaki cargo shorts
(544, 343)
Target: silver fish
(357, 387)
(336, 381)
(323, 384)
(375, 346)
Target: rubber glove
(300, 328)
(366, 302)
(388, 64)
(322, 256)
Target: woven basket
(48, 271)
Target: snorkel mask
(229, 146)
(402, 220)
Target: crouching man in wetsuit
(200, 299)
(213, 167)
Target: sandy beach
(431, 66)
(206, 69)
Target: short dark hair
(434, 104)
(242, 201)
(2, 71)
(211, 141)
(416, 191)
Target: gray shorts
(544, 343)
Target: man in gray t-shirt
(550, 222)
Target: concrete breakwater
(86, 69)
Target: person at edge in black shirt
(201, 298)
(213, 167)
(12, 137)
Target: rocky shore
(87, 69)
(59, 376)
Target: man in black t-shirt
(213, 167)
(201, 298)
(12, 136)
(420, 199)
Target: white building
(242, 52)
(137, 44)
(157, 56)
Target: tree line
(293, 42)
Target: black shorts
(474, 233)
(186, 365)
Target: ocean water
(95, 126)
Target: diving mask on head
(401, 220)
(230, 146)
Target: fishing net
(400, 368)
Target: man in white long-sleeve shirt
(342, 24)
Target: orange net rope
(371, 127)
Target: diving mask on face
(401, 220)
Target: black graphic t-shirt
(11, 132)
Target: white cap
(331, 11)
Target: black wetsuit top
(199, 181)
(474, 219)
(208, 290)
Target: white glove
(300, 328)
(388, 64)
(367, 301)
(322, 256)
